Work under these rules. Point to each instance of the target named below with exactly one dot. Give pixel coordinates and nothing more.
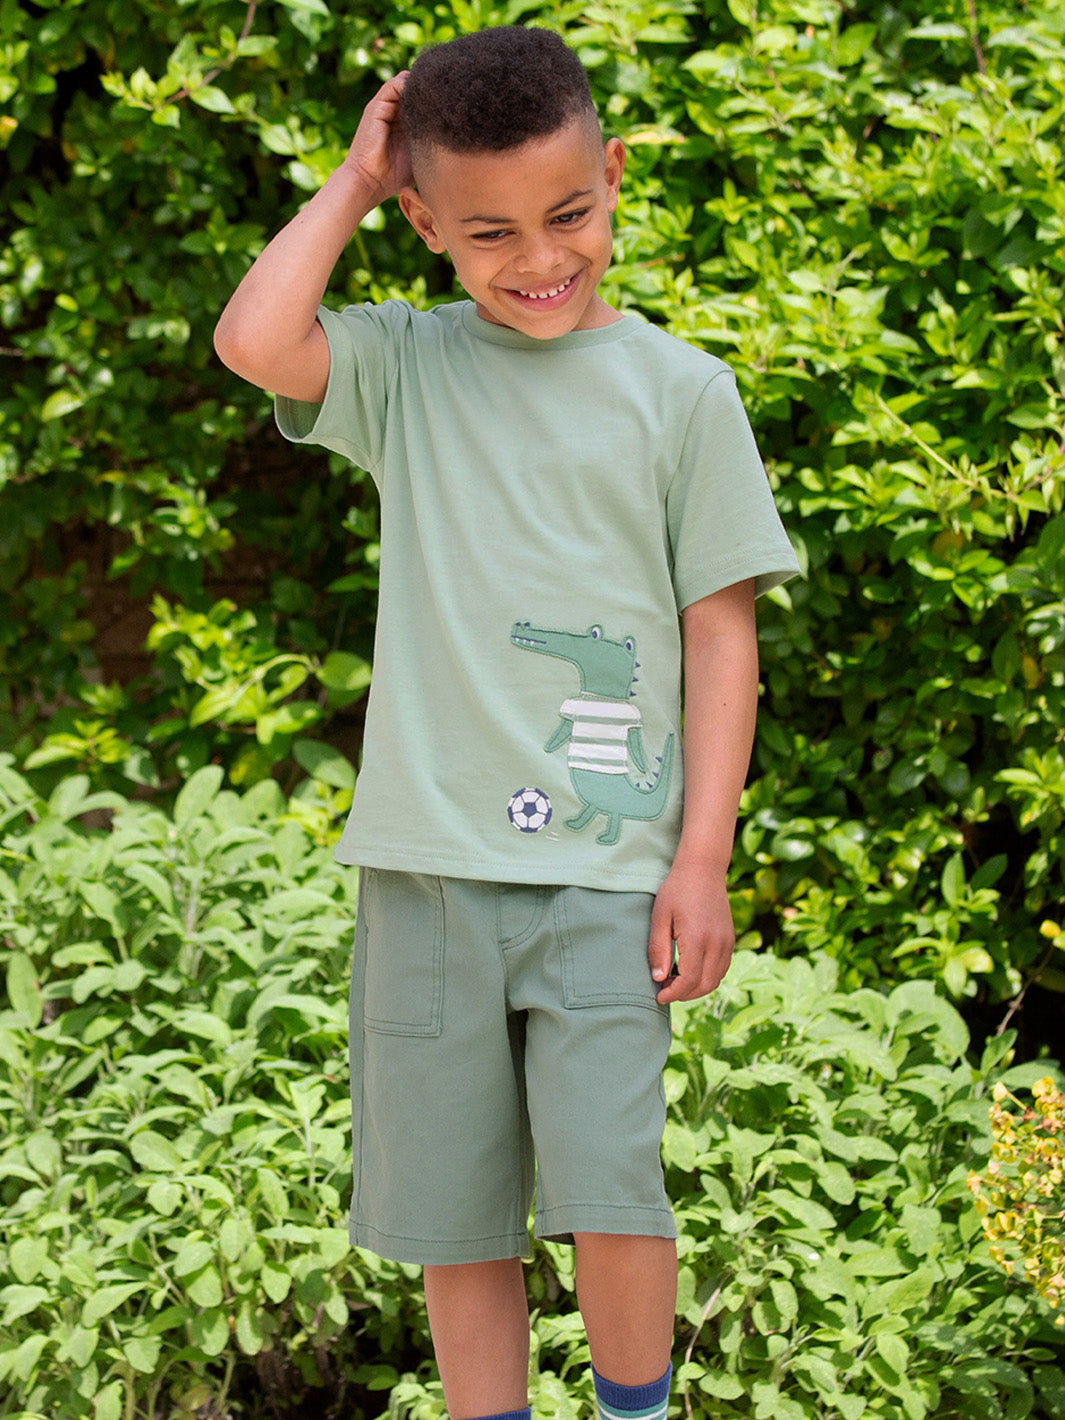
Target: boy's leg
(479, 1319)
(627, 1293)
(596, 1044)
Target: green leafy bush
(173, 1071)
(860, 208)
(833, 1264)
(174, 1171)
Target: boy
(568, 496)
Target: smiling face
(528, 229)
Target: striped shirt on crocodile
(600, 738)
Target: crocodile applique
(602, 729)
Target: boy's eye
(567, 219)
(488, 236)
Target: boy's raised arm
(269, 332)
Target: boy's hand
(691, 909)
(379, 155)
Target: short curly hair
(492, 90)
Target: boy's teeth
(545, 295)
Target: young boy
(569, 497)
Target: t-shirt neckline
(518, 340)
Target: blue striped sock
(632, 1402)
(525, 1414)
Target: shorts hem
(431, 1252)
(558, 1224)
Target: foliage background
(862, 208)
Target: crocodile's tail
(620, 797)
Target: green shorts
(503, 1035)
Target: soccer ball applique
(529, 810)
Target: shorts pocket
(403, 935)
(603, 938)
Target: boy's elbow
(299, 370)
(229, 347)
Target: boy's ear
(421, 219)
(613, 167)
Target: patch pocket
(603, 940)
(403, 917)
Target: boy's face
(528, 229)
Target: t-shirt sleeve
(723, 524)
(363, 355)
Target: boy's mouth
(550, 294)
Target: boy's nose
(540, 252)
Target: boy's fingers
(698, 973)
(660, 947)
(677, 987)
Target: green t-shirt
(547, 509)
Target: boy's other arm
(720, 704)
(269, 332)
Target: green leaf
(28, 1257)
(105, 904)
(63, 402)
(323, 762)
(853, 43)
(23, 991)
(81, 1344)
(342, 671)
(721, 1385)
(198, 794)
(877, 1262)
(211, 98)
(216, 704)
(210, 1331)
(155, 1152)
(205, 1288)
(820, 1373)
(155, 883)
(830, 1276)
(276, 1281)
(142, 1353)
(28, 1355)
(804, 1210)
(314, 7)
(97, 978)
(192, 1256)
(910, 1292)
(128, 975)
(930, 29)
(19, 1301)
(249, 1330)
(679, 1146)
(107, 1402)
(44, 1153)
(293, 904)
(953, 881)
(906, 776)
(894, 1351)
(165, 1197)
(109, 1299)
(205, 1025)
(785, 1299)
(836, 1180)
(69, 797)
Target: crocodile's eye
(630, 644)
(595, 633)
